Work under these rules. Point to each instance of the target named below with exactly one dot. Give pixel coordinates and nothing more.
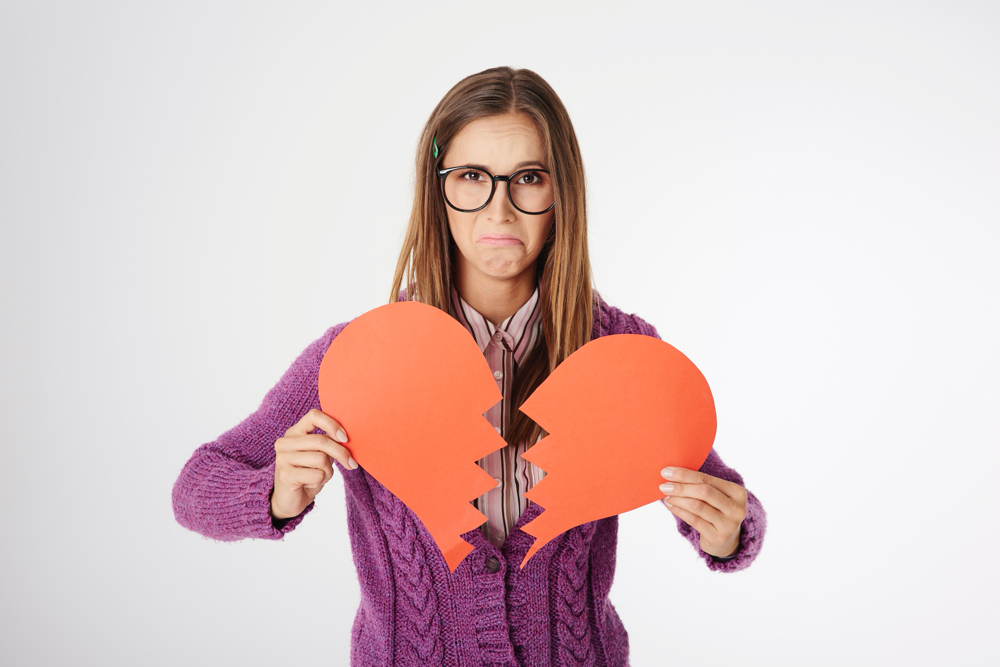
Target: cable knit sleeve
(224, 490)
(755, 523)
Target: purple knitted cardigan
(413, 610)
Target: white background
(803, 197)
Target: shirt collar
(518, 333)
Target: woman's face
(499, 242)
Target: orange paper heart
(410, 387)
(618, 410)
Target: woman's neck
(496, 300)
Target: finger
(690, 518)
(315, 419)
(317, 442)
(688, 476)
(702, 510)
(313, 477)
(310, 459)
(293, 476)
(703, 492)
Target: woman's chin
(509, 271)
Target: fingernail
(667, 472)
(666, 488)
(341, 436)
(666, 503)
(351, 462)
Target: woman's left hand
(712, 506)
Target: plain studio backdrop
(802, 197)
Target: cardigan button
(492, 564)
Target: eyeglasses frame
(443, 173)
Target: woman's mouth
(499, 239)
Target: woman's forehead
(497, 142)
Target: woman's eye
(472, 176)
(530, 178)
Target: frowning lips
(410, 386)
(499, 239)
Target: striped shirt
(504, 347)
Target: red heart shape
(618, 410)
(411, 386)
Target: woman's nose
(500, 207)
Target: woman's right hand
(303, 462)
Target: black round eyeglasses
(471, 189)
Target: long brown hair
(427, 260)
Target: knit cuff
(751, 539)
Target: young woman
(498, 239)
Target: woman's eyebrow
(519, 165)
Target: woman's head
(498, 227)
(428, 255)
(476, 117)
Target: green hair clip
(435, 142)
